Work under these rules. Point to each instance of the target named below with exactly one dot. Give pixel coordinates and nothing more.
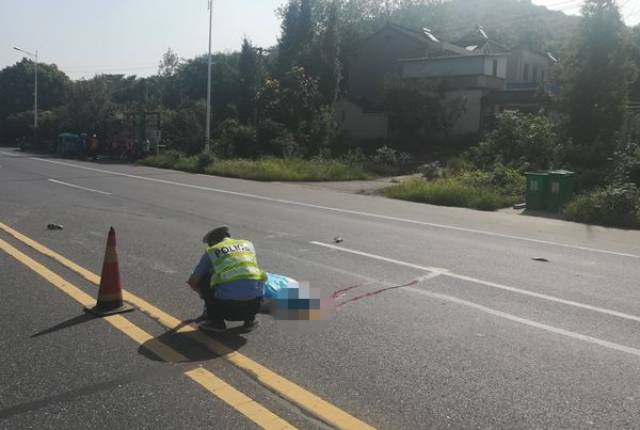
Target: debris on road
(520, 206)
(338, 239)
(55, 227)
(541, 259)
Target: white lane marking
(378, 257)
(511, 317)
(445, 272)
(55, 181)
(347, 211)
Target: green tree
(290, 100)
(250, 77)
(297, 37)
(596, 80)
(634, 92)
(287, 43)
(89, 108)
(305, 35)
(169, 64)
(166, 80)
(192, 82)
(293, 101)
(134, 92)
(17, 86)
(184, 128)
(330, 70)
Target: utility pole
(207, 143)
(35, 92)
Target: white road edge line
(55, 181)
(511, 317)
(9, 154)
(347, 211)
(445, 272)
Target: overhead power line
(512, 18)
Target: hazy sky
(85, 37)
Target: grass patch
(264, 169)
(476, 190)
(179, 161)
(287, 169)
(188, 164)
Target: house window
(495, 68)
(525, 76)
(535, 73)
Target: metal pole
(35, 96)
(35, 90)
(207, 146)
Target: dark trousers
(230, 310)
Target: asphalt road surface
(499, 321)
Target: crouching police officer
(229, 281)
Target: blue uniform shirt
(235, 290)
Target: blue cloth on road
(280, 287)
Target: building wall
(470, 120)
(522, 60)
(377, 59)
(358, 124)
(501, 63)
(454, 66)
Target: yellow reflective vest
(234, 260)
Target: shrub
(615, 206)
(388, 161)
(431, 170)
(457, 165)
(236, 140)
(520, 141)
(204, 159)
(166, 160)
(505, 180)
(276, 139)
(355, 157)
(627, 163)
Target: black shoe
(249, 325)
(216, 326)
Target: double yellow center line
(297, 395)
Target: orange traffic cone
(110, 291)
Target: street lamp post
(207, 143)
(35, 92)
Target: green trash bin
(537, 186)
(561, 187)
